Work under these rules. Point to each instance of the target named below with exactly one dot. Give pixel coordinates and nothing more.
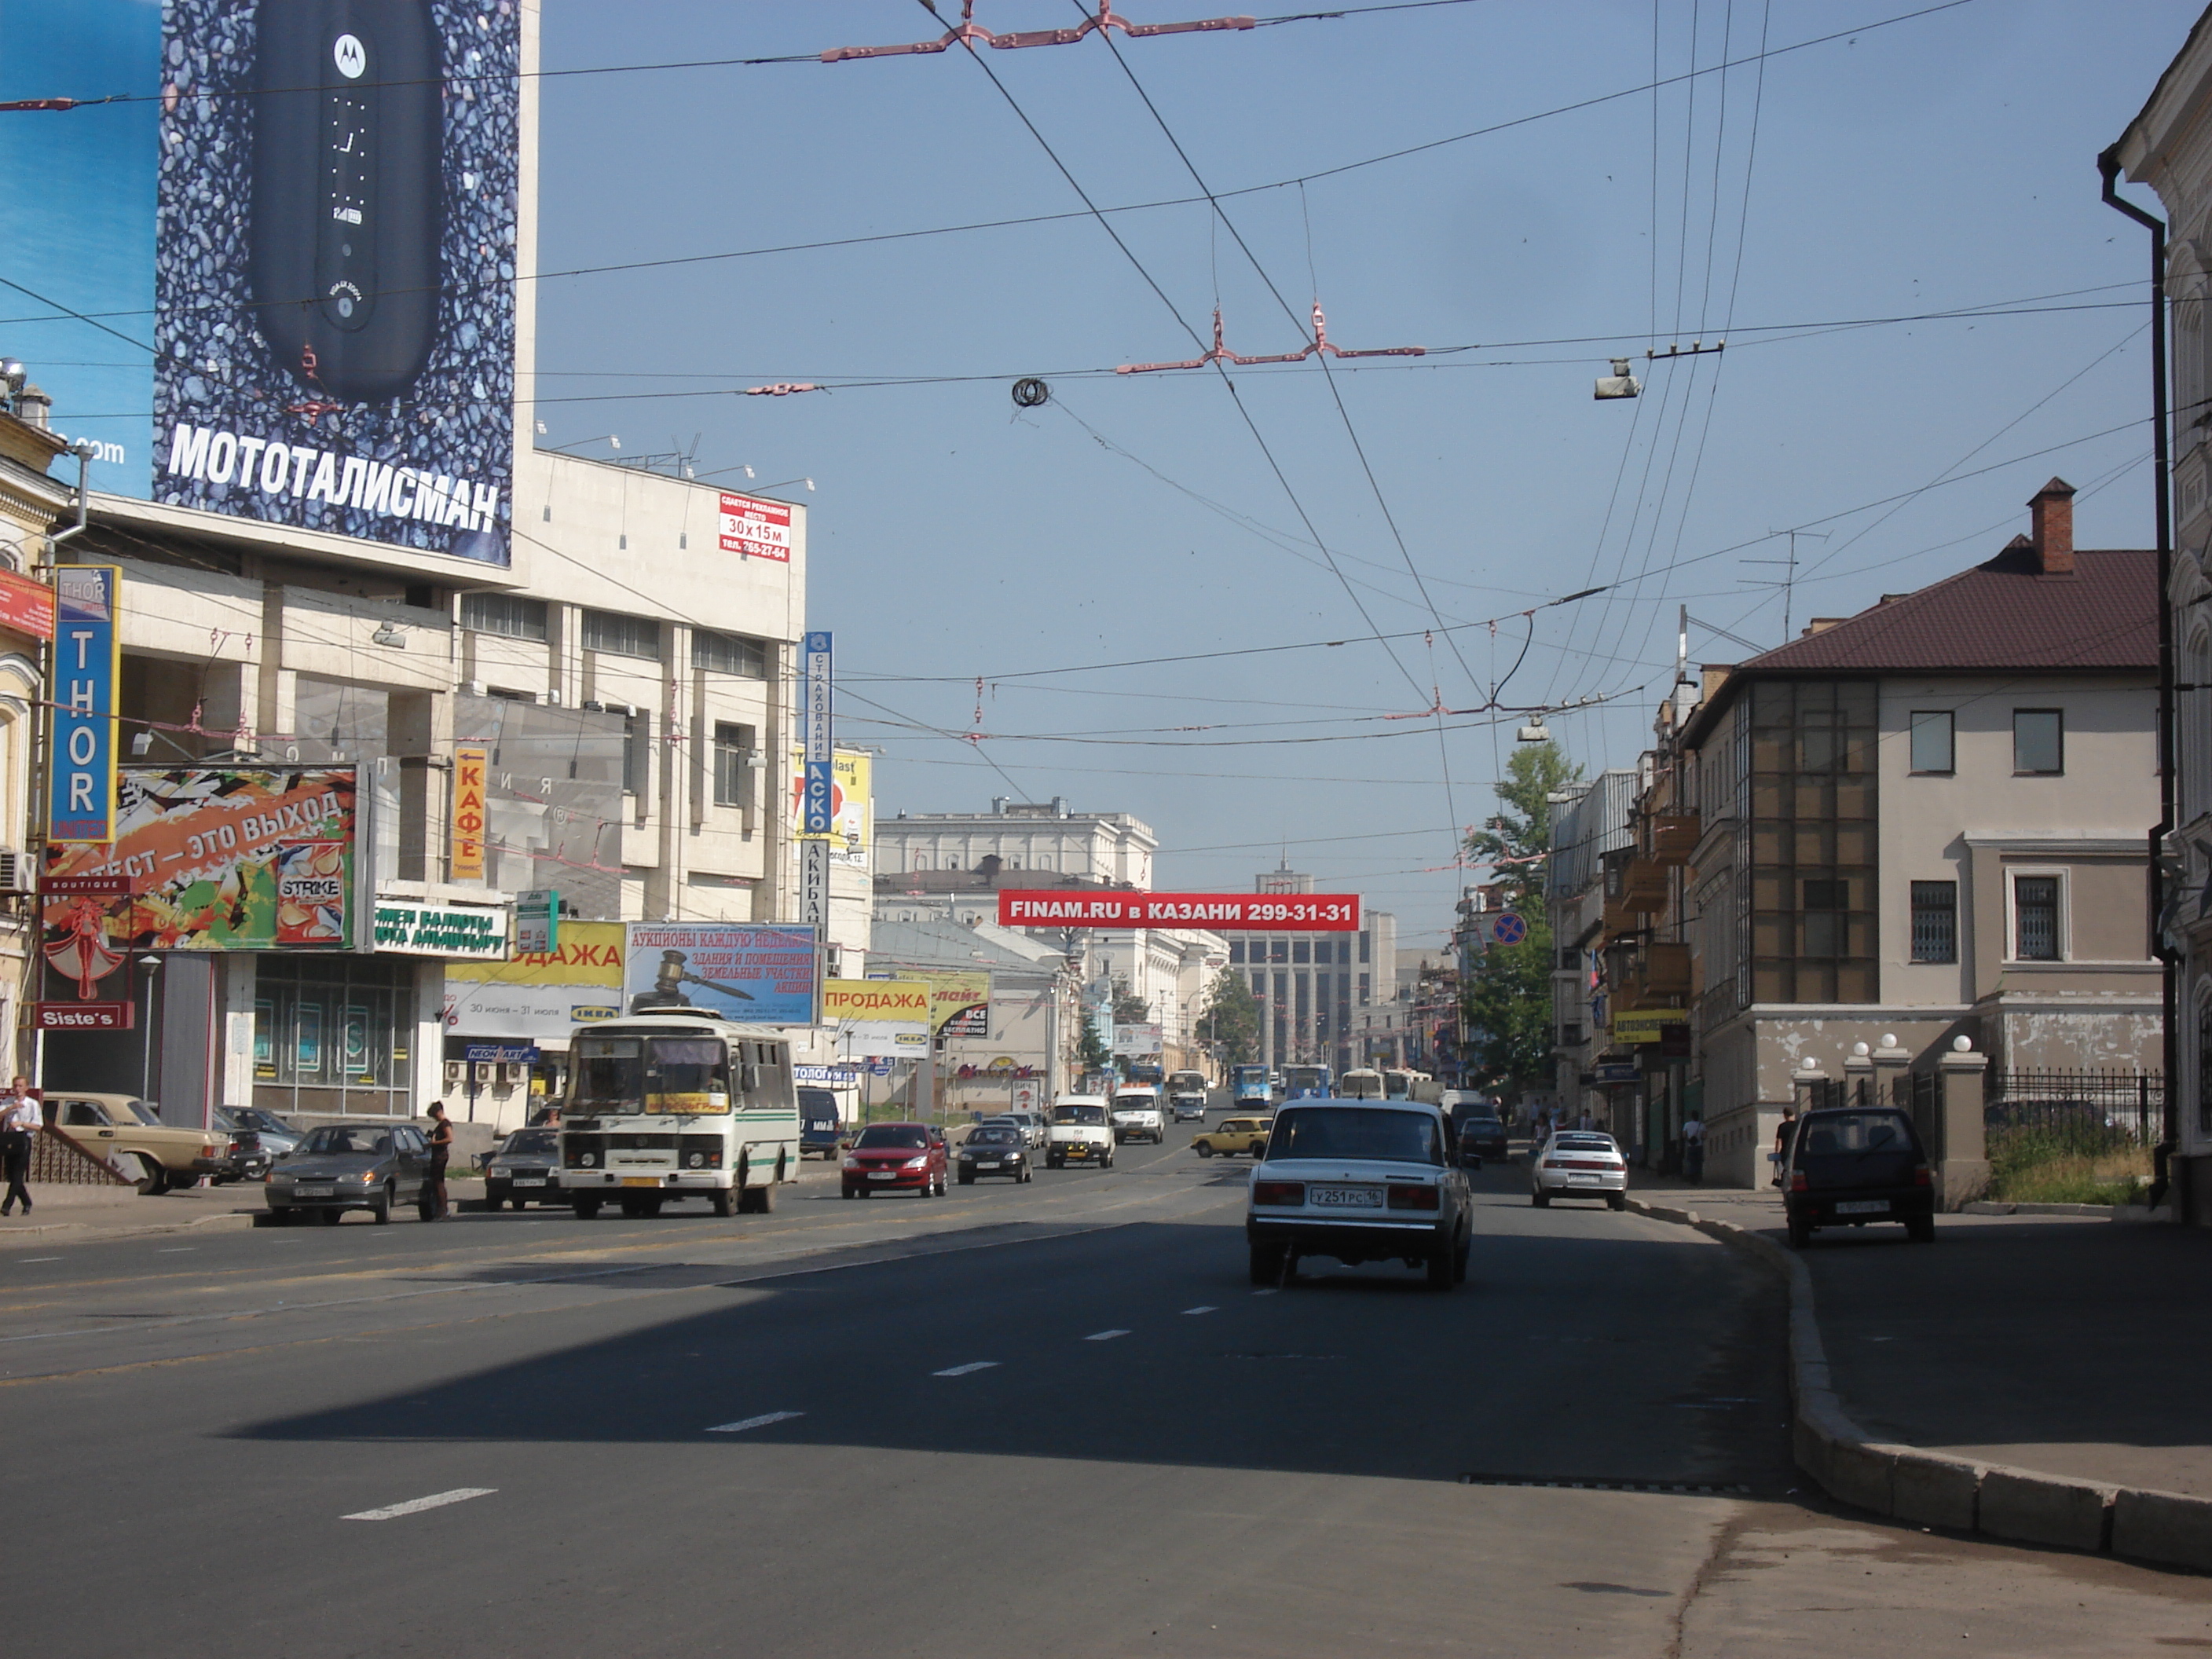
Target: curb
(92, 1232)
(2107, 1211)
(1932, 1489)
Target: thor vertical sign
(471, 761)
(87, 653)
(817, 808)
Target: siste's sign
(1300, 913)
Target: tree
(1229, 1020)
(1089, 1048)
(1508, 997)
(1130, 1010)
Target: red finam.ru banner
(1231, 913)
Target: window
(728, 654)
(733, 747)
(2035, 918)
(1301, 950)
(504, 613)
(1279, 950)
(1825, 899)
(623, 636)
(637, 743)
(1935, 921)
(1236, 950)
(1932, 740)
(2038, 742)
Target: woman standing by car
(440, 1137)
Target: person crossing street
(19, 1124)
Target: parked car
(1578, 1163)
(821, 1126)
(248, 1157)
(1359, 1181)
(993, 1149)
(372, 1166)
(1482, 1137)
(526, 1165)
(1033, 1127)
(1081, 1131)
(1234, 1136)
(1137, 1116)
(1847, 1166)
(128, 1135)
(890, 1157)
(277, 1135)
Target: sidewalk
(2076, 1344)
(69, 1214)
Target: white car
(1360, 1181)
(1578, 1163)
(1081, 1131)
(1136, 1115)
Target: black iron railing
(2083, 1111)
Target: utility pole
(1788, 583)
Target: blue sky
(1942, 162)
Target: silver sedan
(1578, 1163)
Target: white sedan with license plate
(1578, 1163)
(1359, 1181)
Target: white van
(1136, 1115)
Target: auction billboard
(540, 998)
(278, 280)
(756, 973)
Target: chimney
(2051, 521)
(35, 408)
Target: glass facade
(334, 1034)
(1813, 860)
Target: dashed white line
(417, 1506)
(1105, 1336)
(962, 1371)
(1202, 1307)
(1270, 1290)
(27, 1260)
(761, 1422)
(178, 1250)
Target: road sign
(1508, 928)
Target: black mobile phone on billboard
(348, 136)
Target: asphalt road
(1014, 1421)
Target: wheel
(275, 1217)
(651, 1206)
(1268, 1262)
(519, 1203)
(1439, 1269)
(842, 1192)
(1540, 1199)
(756, 1200)
(153, 1179)
(966, 1177)
(630, 1207)
(495, 1197)
(1027, 1175)
(1459, 1259)
(1109, 1163)
(1801, 1233)
(1205, 1149)
(1617, 1200)
(725, 1201)
(1259, 1148)
(380, 1208)
(330, 1217)
(1052, 1163)
(1921, 1229)
(588, 1209)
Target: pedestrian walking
(1694, 1149)
(19, 1123)
(440, 1137)
(1783, 1130)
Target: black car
(821, 1129)
(1482, 1137)
(993, 1149)
(1847, 1166)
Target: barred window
(1935, 921)
(729, 653)
(510, 614)
(2035, 918)
(622, 636)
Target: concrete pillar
(1962, 1173)
(1858, 1076)
(1892, 1062)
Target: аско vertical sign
(87, 655)
(819, 808)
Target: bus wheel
(758, 1201)
(725, 1202)
(588, 1209)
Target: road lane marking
(1270, 1290)
(1105, 1336)
(962, 1371)
(178, 1250)
(27, 1259)
(761, 1422)
(417, 1506)
(1202, 1309)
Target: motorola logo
(349, 55)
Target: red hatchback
(897, 1158)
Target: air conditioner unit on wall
(18, 874)
(513, 1077)
(454, 1074)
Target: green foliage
(2082, 1165)
(1228, 1022)
(1130, 1010)
(1089, 1050)
(1508, 994)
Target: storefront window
(334, 1034)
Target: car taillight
(1413, 1198)
(1797, 1181)
(1279, 1191)
(1921, 1176)
(1553, 1164)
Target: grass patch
(2039, 1166)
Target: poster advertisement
(755, 529)
(213, 859)
(540, 998)
(278, 282)
(851, 807)
(959, 1004)
(755, 973)
(1138, 1042)
(878, 1017)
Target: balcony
(1668, 839)
(1664, 975)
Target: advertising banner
(851, 805)
(477, 932)
(959, 1003)
(26, 605)
(818, 755)
(536, 922)
(1233, 913)
(755, 529)
(218, 859)
(759, 974)
(1639, 1025)
(814, 882)
(88, 668)
(1136, 1042)
(538, 997)
(293, 244)
(472, 764)
(878, 1017)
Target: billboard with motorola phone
(277, 280)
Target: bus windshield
(679, 1075)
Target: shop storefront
(334, 1035)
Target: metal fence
(2080, 1110)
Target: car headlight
(915, 1163)
(587, 1159)
(697, 1160)
(852, 1163)
(366, 1174)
